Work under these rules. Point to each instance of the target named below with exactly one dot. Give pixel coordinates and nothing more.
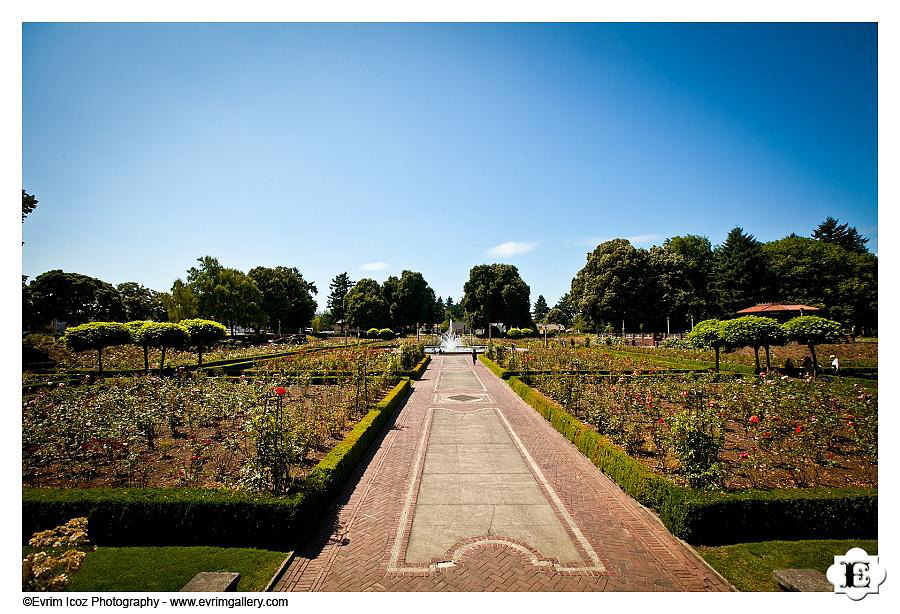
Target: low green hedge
(420, 367)
(196, 516)
(712, 517)
(493, 367)
(338, 464)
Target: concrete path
(471, 489)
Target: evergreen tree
(568, 309)
(740, 272)
(339, 288)
(830, 231)
(439, 310)
(540, 310)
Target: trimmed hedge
(715, 518)
(196, 516)
(419, 369)
(493, 367)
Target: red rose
(799, 428)
(754, 419)
(280, 391)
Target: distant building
(551, 328)
(779, 312)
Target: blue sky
(374, 148)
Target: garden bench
(802, 580)
(212, 582)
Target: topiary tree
(373, 333)
(163, 335)
(386, 333)
(708, 334)
(812, 331)
(96, 336)
(754, 332)
(203, 334)
(134, 329)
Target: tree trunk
(812, 351)
(100, 362)
(756, 357)
(146, 359)
(162, 360)
(717, 360)
(768, 360)
(199, 359)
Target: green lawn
(168, 569)
(749, 566)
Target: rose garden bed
(192, 432)
(772, 432)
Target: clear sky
(375, 148)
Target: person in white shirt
(835, 364)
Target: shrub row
(182, 516)
(711, 517)
(493, 367)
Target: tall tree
(614, 285)
(541, 309)
(204, 280)
(454, 311)
(339, 288)
(142, 303)
(239, 300)
(697, 256)
(830, 231)
(823, 274)
(567, 308)
(740, 272)
(439, 310)
(73, 298)
(287, 299)
(180, 302)
(390, 291)
(365, 305)
(496, 293)
(413, 300)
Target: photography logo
(856, 574)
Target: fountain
(452, 343)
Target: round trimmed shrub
(812, 331)
(203, 334)
(97, 336)
(163, 335)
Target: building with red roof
(778, 311)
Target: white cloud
(635, 240)
(511, 248)
(375, 266)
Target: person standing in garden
(473, 356)
(835, 364)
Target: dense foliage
(687, 280)
(496, 293)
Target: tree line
(687, 279)
(277, 299)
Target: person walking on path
(473, 356)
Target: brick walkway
(470, 489)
